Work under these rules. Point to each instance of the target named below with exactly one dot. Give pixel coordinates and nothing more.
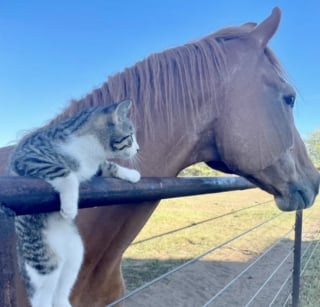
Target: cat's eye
(122, 143)
(127, 139)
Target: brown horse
(223, 100)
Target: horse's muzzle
(299, 197)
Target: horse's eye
(289, 100)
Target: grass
(310, 285)
(193, 226)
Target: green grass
(200, 229)
(310, 280)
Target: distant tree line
(313, 146)
(200, 170)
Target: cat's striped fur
(50, 249)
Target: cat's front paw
(133, 176)
(69, 214)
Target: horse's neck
(166, 151)
(162, 158)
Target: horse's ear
(266, 29)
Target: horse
(223, 100)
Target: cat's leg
(112, 169)
(68, 189)
(64, 239)
(69, 272)
(43, 286)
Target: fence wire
(199, 223)
(180, 267)
(220, 292)
(229, 284)
(269, 278)
(302, 272)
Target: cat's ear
(122, 109)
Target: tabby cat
(50, 249)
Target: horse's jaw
(293, 187)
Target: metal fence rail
(29, 196)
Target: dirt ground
(198, 283)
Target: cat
(50, 249)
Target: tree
(200, 170)
(313, 146)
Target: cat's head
(115, 130)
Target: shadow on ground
(197, 283)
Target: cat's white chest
(88, 152)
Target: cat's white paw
(133, 176)
(69, 213)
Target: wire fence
(286, 291)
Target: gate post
(297, 260)
(8, 262)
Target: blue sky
(53, 51)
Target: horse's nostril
(289, 100)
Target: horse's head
(255, 132)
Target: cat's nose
(138, 148)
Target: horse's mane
(185, 75)
(177, 75)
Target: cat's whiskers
(136, 161)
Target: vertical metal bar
(8, 263)
(297, 260)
